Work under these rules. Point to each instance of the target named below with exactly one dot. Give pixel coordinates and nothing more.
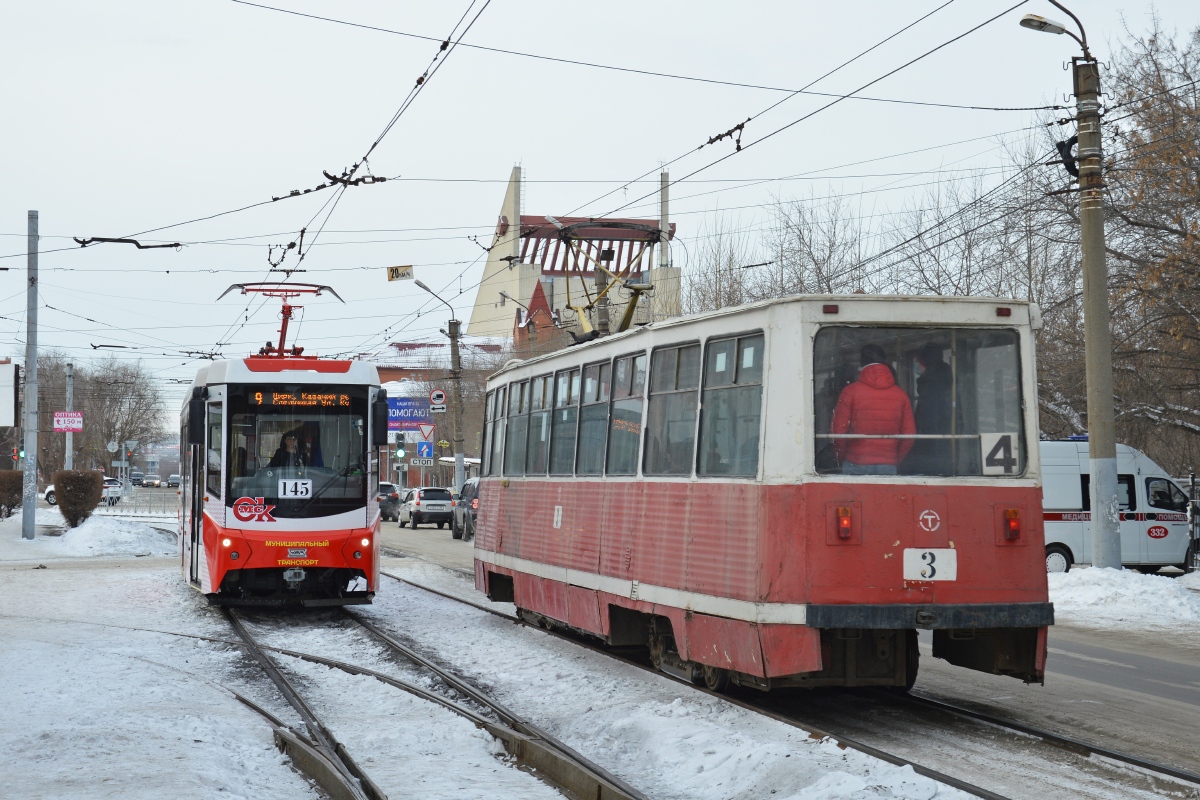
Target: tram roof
(899, 303)
(273, 370)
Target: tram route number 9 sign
(295, 489)
(1000, 453)
(934, 564)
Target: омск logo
(252, 509)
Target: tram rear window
(918, 401)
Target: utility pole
(1097, 334)
(69, 458)
(460, 465)
(664, 226)
(602, 303)
(29, 487)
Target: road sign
(113, 447)
(68, 421)
(404, 273)
(406, 413)
(443, 443)
(120, 463)
(426, 430)
(437, 409)
(437, 398)
(421, 462)
(425, 449)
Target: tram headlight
(226, 542)
(366, 542)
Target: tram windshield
(918, 401)
(301, 448)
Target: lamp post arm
(1083, 33)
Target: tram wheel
(715, 678)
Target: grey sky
(126, 116)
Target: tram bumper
(997, 638)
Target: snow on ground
(660, 736)
(1096, 598)
(95, 537)
(1190, 581)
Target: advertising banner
(68, 421)
(407, 413)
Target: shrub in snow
(12, 483)
(79, 492)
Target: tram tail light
(1012, 523)
(844, 527)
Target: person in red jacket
(873, 404)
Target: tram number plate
(295, 489)
(939, 564)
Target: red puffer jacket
(873, 404)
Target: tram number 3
(934, 564)
(293, 490)
(999, 453)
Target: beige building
(558, 255)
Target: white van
(1154, 511)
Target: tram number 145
(297, 490)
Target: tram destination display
(297, 399)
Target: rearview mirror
(379, 420)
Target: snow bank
(1122, 598)
(96, 537)
(1190, 581)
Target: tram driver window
(732, 405)
(671, 418)
(213, 471)
(918, 401)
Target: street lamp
(1102, 447)
(460, 468)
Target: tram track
(326, 761)
(1058, 749)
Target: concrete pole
(69, 458)
(29, 494)
(1102, 440)
(664, 230)
(460, 464)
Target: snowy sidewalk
(96, 537)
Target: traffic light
(22, 450)
(400, 452)
(15, 456)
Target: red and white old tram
(780, 494)
(279, 461)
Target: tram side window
(518, 426)
(489, 416)
(213, 470)
(564, 423)
(539, 426)
(593, 419)
(918, 401)
(625, 423)
(731, 407)
(496, 459)
(671, 419)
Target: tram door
(195, 491)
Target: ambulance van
(1155, 531)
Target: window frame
(736, 338)
(650, 394)
(632, 355)
(600, 365)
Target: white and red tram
(686, 485)
(279, 466)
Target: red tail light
(844, 528)
(475, 504)
(394, 495)
(417, 502)
(1012, 523)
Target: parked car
(427, 505)
(389, 501)
(110, 494)
(173, 481)
(152, 482)
(135, 478)
(466, 509)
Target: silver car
(426, 505)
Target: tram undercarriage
(309, 587)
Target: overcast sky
(124, 117)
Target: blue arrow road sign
(425, 449)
